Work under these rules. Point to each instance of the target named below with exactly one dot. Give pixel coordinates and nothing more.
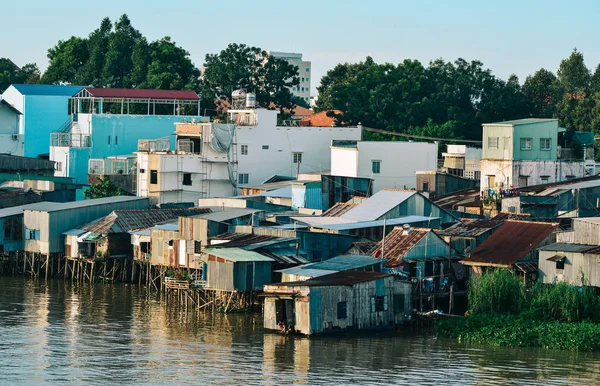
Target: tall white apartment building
(304, 72)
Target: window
(243, 178)
(153, 177)
(525, 143)
(302, 79)
(109, 139)
(425, 187)
(523, 181)
(492, 143)
(491, 181)
(342, 310)
(399, 304)
(32, 234)
(512, 209)
(307, 69)
(379, 303)
(297, 158)
(477, 174)
(545, 143)
(197, 247)
(265, 147)
(545, 179)
(302, 88)
(307, 80)
(116, 140)
(187, 179)
(294, 88)
(376, 167)
(58, 166)
(560, 263)
(244, 149)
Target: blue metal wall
(42, 115)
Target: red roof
(319, 119)
(398, 243)
(136, 93)
(510, 243)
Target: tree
(542, 94)
(242, 67)
(118, 65)
(104, 188)
(170, 67)
(10, 73)
(573, 75)
(67, 59)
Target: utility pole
(383, 241)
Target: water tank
(250, 100)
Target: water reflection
(60, 332)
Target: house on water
(235, 269)
(351, 300)
(514, 245)
(335, 264)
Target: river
(62, 333)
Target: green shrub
(496, 291)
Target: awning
(527, 267)
(557, 258)
(89, 237)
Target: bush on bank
(503, 312)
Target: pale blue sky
(508, 36)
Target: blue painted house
(10, 140)
(109, 122)
(44, 109)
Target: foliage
(120, 56)
(250, 68)
(104, 188)
(10, 73)
(522, 331)
(498, 291)
(503, 312)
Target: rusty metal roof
(134, 93)
(577, 248)
(344, 278)
(477, 227)
(468, 198)
(364, 246)
(398, 243)
(510, 243)
(122, 221)
(339, 209)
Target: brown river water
(57, 332)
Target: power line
(420, 136)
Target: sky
(509, 37)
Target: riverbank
(521, 331)
(503, 312)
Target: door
(182, 253)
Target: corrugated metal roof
(167, 227)
(74, 232)
(122, 221)
(47, 89)
(339, 278)
(578, 248)
(398, 243)
(236, 254)
(339, 209)
(511, 242)
(580, 185)
(227, 214)
(56, 206)
(377, 223)
(525, 121)
(306, 271)
(238, 240)
(18, 210)
(346, 262)
(318, 221)
(378, 205)
(471, 227)
(136, 93)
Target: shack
(352, 300)
(45, 223)
(570, 263)
(235, 269)
(514, 245)
(164, 248)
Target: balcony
(153, 145)
(572, 154)
(70, 140)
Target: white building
(304, 72)
(531, 151)
(462, 161)
(389, 164)
(214, 160)
(11, 142)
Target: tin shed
(235, 269)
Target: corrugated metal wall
(575, 265)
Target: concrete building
(304, 73)
(215, 159)
(389, 164)
(437, 184)
(10, 140)
(45, 223)
(350, 300)
(109, 122)
(462, 161)
(44, 109)
(530, 152)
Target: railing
(172, 283)
(185, 146)
(111, 166)
(149, 145)
(70, 140)
(571, 154)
